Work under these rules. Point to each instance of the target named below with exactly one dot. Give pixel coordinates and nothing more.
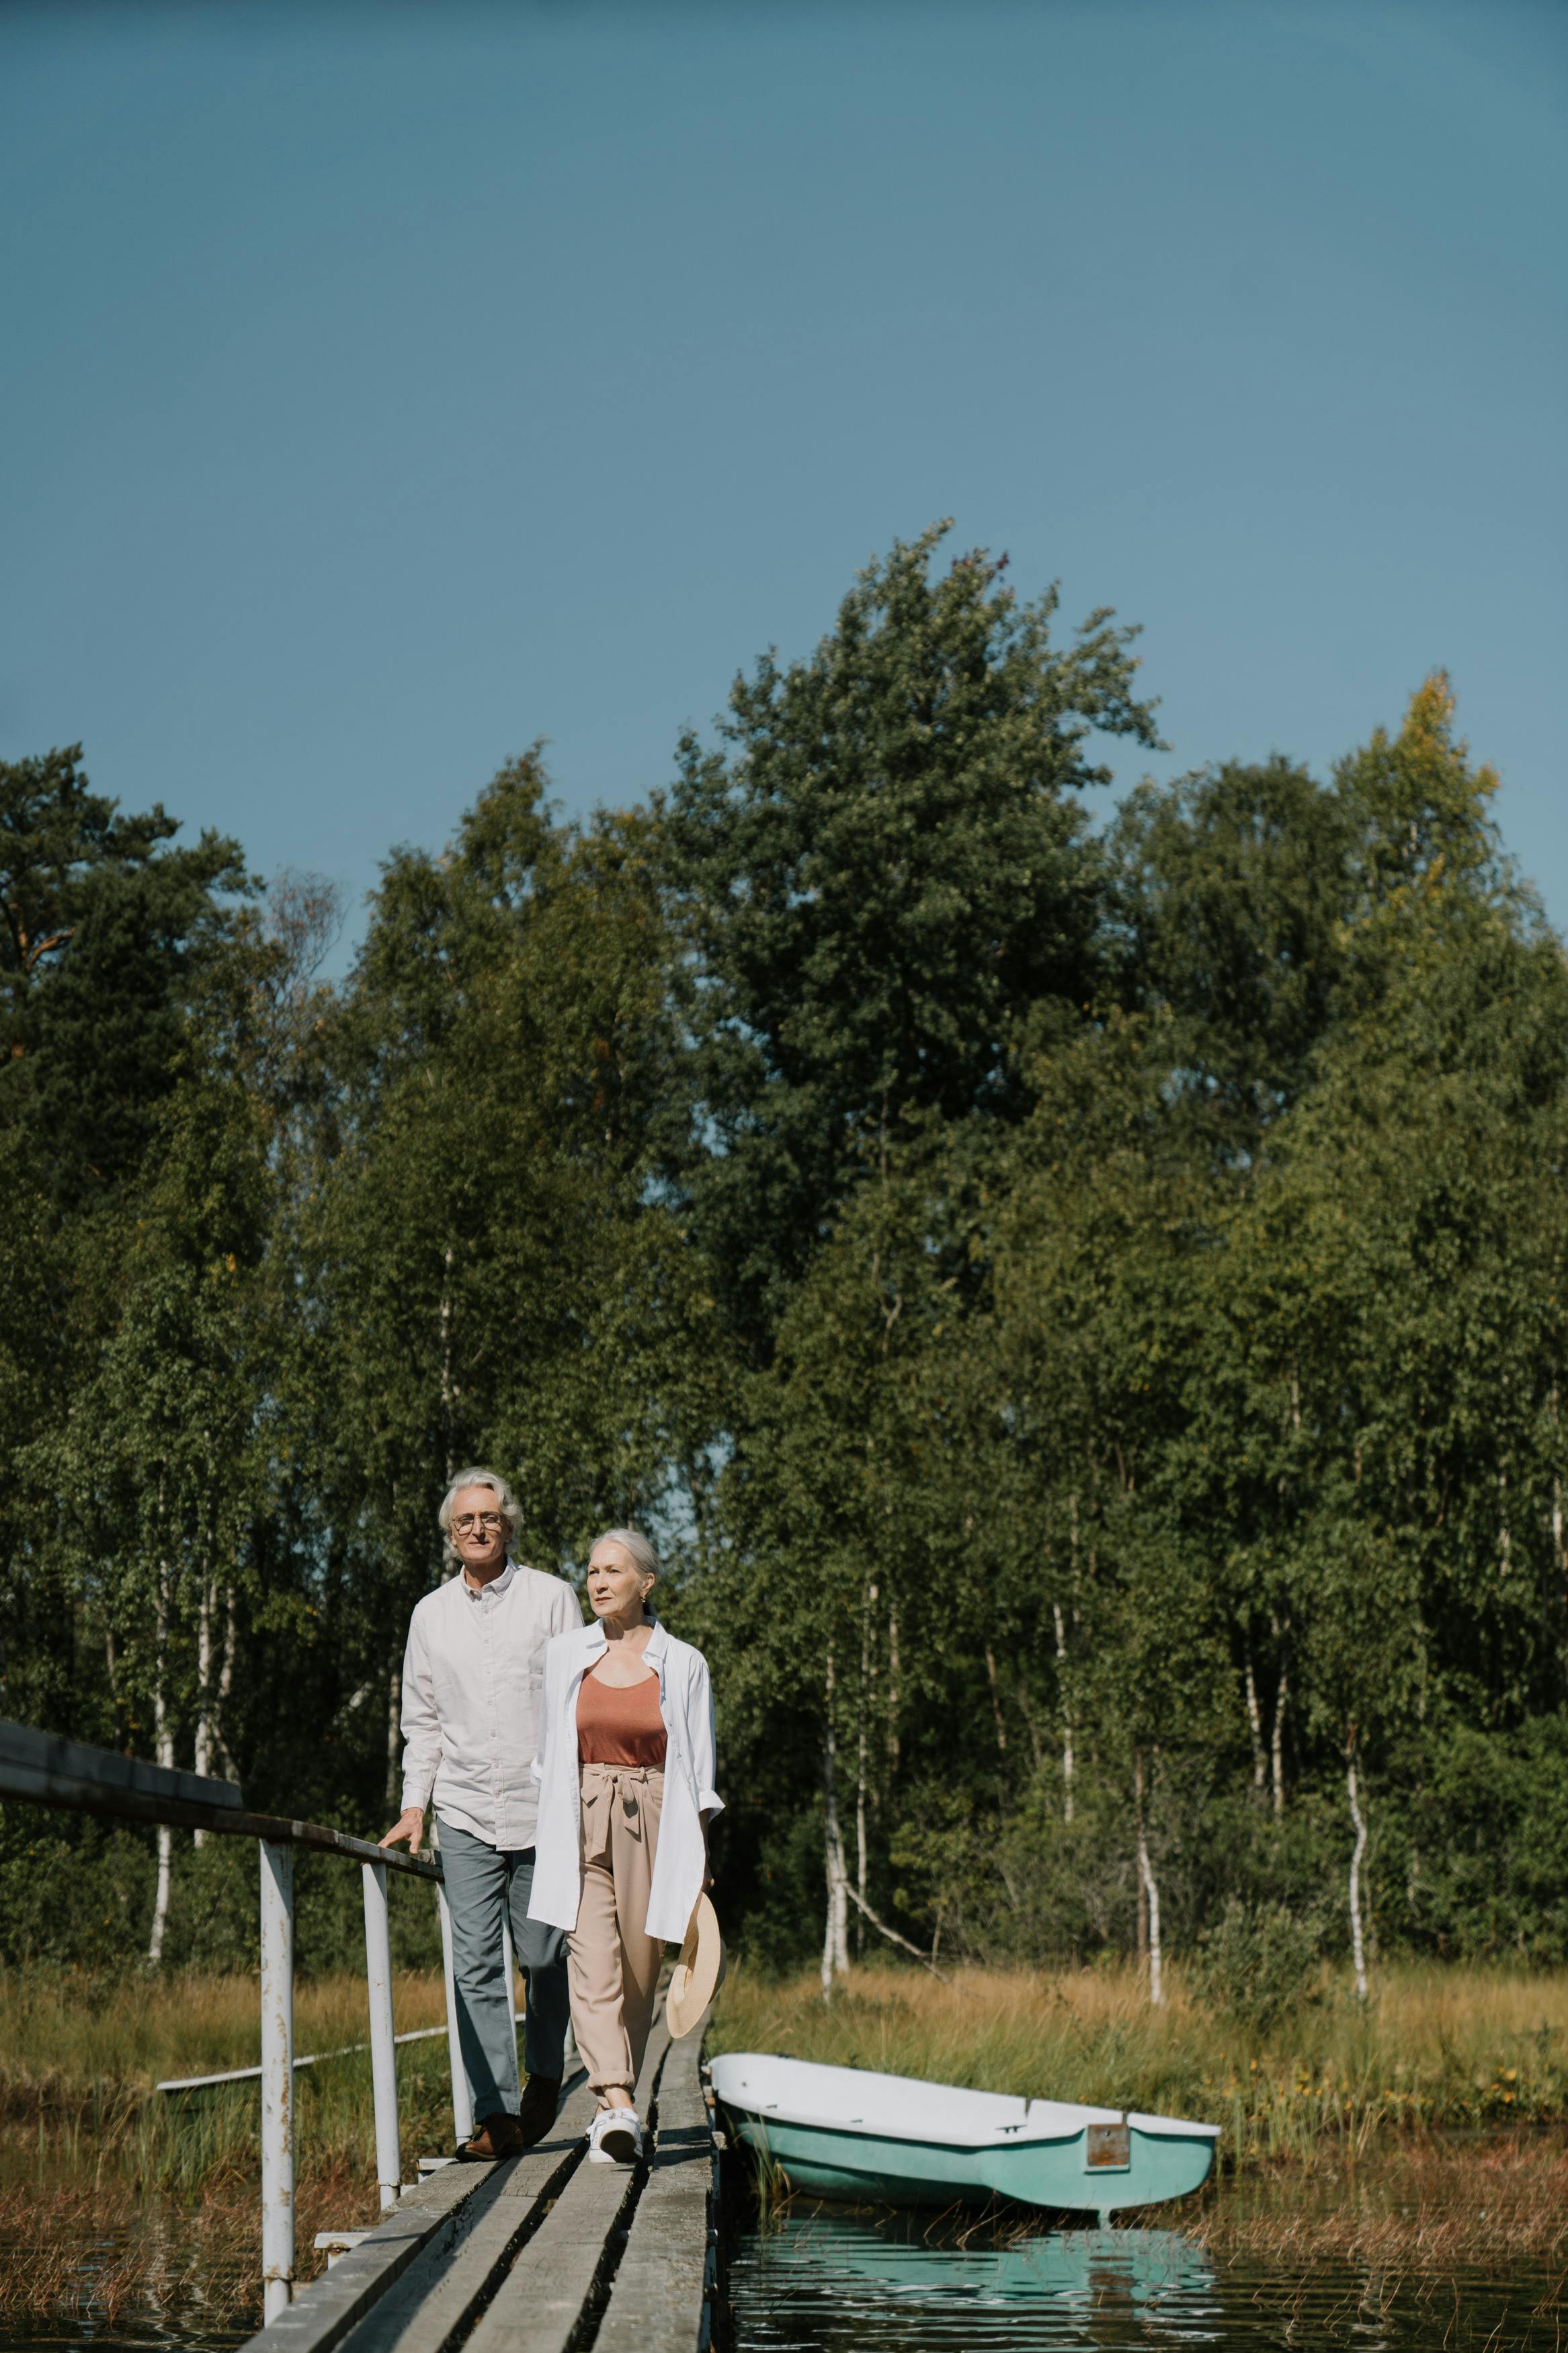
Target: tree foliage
(1082, 1310)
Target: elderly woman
(626, 1775)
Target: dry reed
(1429, 2203)
(117, 2200)
(99, 2251)
(1423, 2129)
(1433, 2049)
(64, 2032)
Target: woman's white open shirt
(686, 1703)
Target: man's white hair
(511, 1510)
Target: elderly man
(470, 1701)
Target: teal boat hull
(891, 2140)
(873, 2172)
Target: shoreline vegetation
(163, 2187)
(1427, 2126)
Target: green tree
(884, 868)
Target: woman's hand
(409, 1824)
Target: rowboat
(847, 2132)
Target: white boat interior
(905, 2108)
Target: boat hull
(834, 2162)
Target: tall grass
(73, 2028)
(79, 2057)
(117, 2198)
(1434, 2048)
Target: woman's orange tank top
(620, 1726)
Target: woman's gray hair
(636, 1544)
(631, 1540)
(507, 1503)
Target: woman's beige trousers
(613, 1964)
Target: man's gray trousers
(482, 1883)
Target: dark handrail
(43, 1769)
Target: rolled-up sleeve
(700, 1738)
(421, 1726)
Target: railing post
(277, 2077)
(462, 2098)
(383, 2049)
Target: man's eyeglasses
(488, 1521)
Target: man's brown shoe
(541, 2099)
(493, 2137)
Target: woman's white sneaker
(615, 2138)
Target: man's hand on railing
(408, 1826)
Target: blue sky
(386, 386)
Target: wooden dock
(544, 2253)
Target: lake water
(820, 2279)
(824, 2281)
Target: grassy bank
(164, 2187)
(1433, 2050)
(80, 2059)
(1427, 2127)
(1424, 2130)
(64, 2030)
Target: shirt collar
(597, 1640)
(497, 1584)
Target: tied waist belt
(605, 1787)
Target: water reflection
(824, 2281)
(152, 2281)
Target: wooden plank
(438, 2296)
(538, 2304)
(658, 2301)
(323, 2313)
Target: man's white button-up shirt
(470, 1700)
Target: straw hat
(700, 1972)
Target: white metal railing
(41, 1769)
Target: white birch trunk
(996, 1701)
(860, 1774)
(449, 1386)
(893, 1751)
(1559, 1553)
(202, 1756)
(226, 1681)
(1151, 1889)
(1067, 1713)
(1277, 1742)
(395, 1734)
(163, 1747)
(1358, 1943)
(1255, 1722)
(836, 1929)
